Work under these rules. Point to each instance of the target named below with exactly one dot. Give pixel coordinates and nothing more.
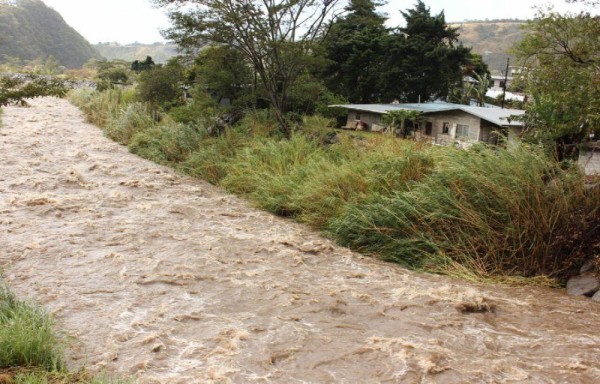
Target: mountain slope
(29, 30)
(159, 52)
(491, 39)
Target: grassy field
(483, 213)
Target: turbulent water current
(170, 280)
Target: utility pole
(505, 81)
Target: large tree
(424, 60)
(276, 36)
(562, 54)
(355, 48)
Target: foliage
(488, 212)
(562, 54)
(468, 91)
(354, 47)
(396, 121)
(276, 36)
(162, 85)
(146, 65)
(309, 96)
(31, 30)
(18, 89)
(424, 61)
(223, 72)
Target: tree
(355, 48)
(396, 121)
(145, 65)
(161, 85)
(15, 90)
(562, 54)
(276, 36)
(424, 59)
(223, 72)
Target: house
(441, 123)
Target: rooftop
(500, 117)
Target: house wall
(589, 161)
(453, 118)
(490, 133)
(372, 120)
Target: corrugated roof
(496, 116)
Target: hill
(159, 52)
(31, 30)
(491, 39)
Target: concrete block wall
(589, 161)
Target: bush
(160, 86)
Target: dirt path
(169, 279)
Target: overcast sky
(128, 21)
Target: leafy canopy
(562, 54)
(275, 36)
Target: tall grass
(479, 213)
(30, 351)
(495, 212)
(26, 335)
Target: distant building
(442, 123)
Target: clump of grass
(170, 143)
(30, 351)
(102, 107)
(130, 120)
(495, 212)
(26, 335)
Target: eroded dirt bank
(169, 279)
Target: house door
(428, 128)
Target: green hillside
(491, 39)
(159, 52)
(30, 30)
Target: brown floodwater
(171, 280)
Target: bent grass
(485, 213)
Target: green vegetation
(480, 213)
(562, 54)
(30, 30)
(26, 336)
(30, 351)
(17, 89)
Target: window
(357, 116)
(462, 130)
(446, 128)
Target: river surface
(169, 279)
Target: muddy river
(169, 279)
